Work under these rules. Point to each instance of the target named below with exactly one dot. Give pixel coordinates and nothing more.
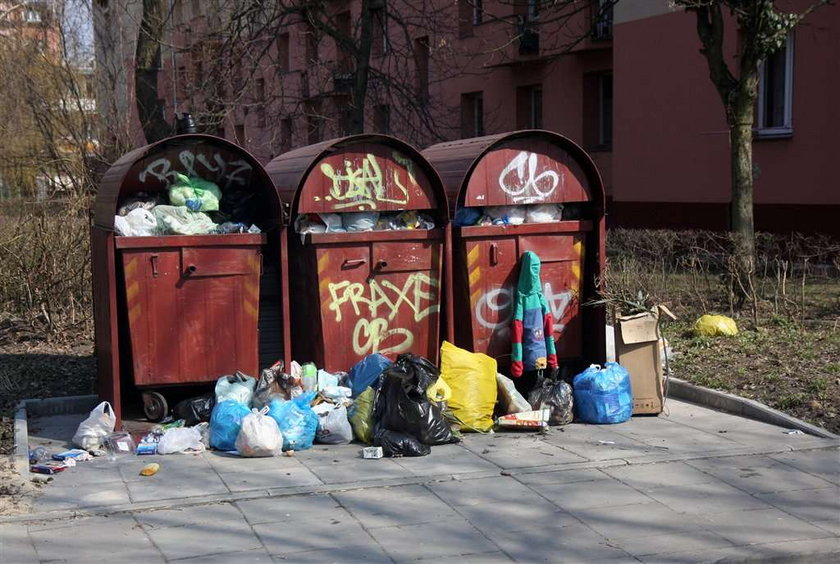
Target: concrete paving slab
(288, 508)
(97, 542)
(820, 506)
(649, 545)
(824, 463)
(338, 555)
(289, 477)
(68, 496)
(758, 474)
(817, 551)
(550, 543)
(761, 526)
(258, 556)
(651, 476)
(204, 538)
(636, 521)
(603, 493)
(395, 506)
(190, 515)
(448, 538)
(511, 516)
(708, 498)
(293, 537)
(562, 477)
(520, 451)
(446, 459)
(481, 491)
(355, 470)
(16, 546)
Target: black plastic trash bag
(399, 444)
(402, 405)
(195, 410)
(557, 397)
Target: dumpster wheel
(155, 406)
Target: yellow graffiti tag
(363, 186)
(417, 289)
(369, 336)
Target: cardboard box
(637, 350)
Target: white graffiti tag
(366, 185)
(198, 165)
(520, 179)
(498, 304)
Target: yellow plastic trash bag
(472, 379)
(439, 391)
(716, 325)
(360, 415)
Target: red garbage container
(367, 239)
(515, 192)
(186, 309)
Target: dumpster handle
(350, 263)
(154, 261)
(381, 264)
(190, 269)
(494, 254)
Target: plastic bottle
(309, 377)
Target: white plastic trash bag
(175, 220)
(544, 213)
(333, 426)
(359, 221)
(259, 435)
(239, 387)
(181, 439)
(138, 222)
(98, 425)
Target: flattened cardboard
(637, 349)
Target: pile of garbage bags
(510, 215)
(193, 206)
(351, 222)
(401, 408)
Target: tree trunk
(147, 65)
(362, 74)
(742, 224)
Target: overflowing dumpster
(188, 269)
(516, 192)
(367, 245)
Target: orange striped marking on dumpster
(474, 274)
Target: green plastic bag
(195, 194)
(361, 415)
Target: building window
(529, 107)
(286, 135)
(32, 16)
(421, 68)
(598, 111)
(283, 52)
(602, 19)
(472, 114)
(311, 44)
(470, 13)
(382, 118)
(775, 93)
(379, 33)
(259, 91)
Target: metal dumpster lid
(118, 181)
(456, 160)
(290, 170)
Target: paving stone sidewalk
(692, 485)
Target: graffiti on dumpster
(378, 304)
(519, 179)
(192, 164)
(501, 300)
(366, 185)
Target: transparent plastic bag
(333, 426)
(259, 436)
(99, 424)
(180, 440)
(238, 387)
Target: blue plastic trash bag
(603, 395)
(366, 372)
(225, 423)
(296, 420)
(467, 216)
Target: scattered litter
(39, 454)
(77, 454)
(180, 440)
(150, 469)
(535, 419)
(372, 452)
(606, 442)
(119, 444)
(98, 425)
(793, 432)
(49, 467)
(715, 326)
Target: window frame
(786, 130)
